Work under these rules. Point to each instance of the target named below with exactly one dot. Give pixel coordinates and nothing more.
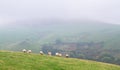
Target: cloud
(101, 10)
(5, 21)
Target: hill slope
(27, 34)
(21, 61)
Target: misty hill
(36, 30)
(21, 61)
(73, 37)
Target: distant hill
(23, 61)
(93, 37)
(45, 31)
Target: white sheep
(24, 50)
(49, 53)
(67, 55)
(60, 55)
(57, 54)
(41, 52)
(29, 51)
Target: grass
(23, 61)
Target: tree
(82, 56)
(107, 59)
(117, 61)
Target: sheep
(49, 53)
(60, 55)
(57, 54)
(24, 50)
(29, 51)
(41, 52)
(67, 55)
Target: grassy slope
(21, 61)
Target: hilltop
(23, 61)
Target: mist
(98, 10)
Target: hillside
(26, 34)
(22, 61)
(80, 38)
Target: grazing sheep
(60, 55)
(29, 51)
(41, 52)
(67, 55)
(24, 50)
(57, 54)
(49, 53)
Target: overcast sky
(101, 10)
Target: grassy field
(23, 61)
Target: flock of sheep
(49, 53)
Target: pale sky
(101, 10)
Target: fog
(100, 10)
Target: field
(23, 61)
